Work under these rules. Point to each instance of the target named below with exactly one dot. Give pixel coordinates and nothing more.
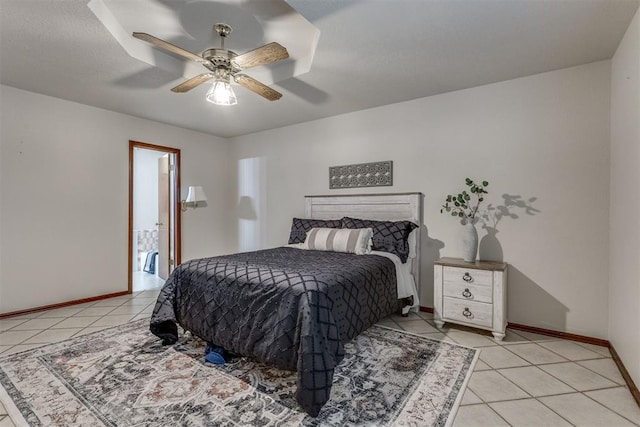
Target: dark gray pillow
(388, 236)
(300, 226)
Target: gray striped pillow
(355, 241)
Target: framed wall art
(375, 174)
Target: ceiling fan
(223, 65)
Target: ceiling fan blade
(257, 87)
(168, 46)
(191, 83)
(266, 54)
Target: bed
(290, 307)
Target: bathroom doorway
(154, 215)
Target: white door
(164, 241)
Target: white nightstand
(471, 293)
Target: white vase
(469, 242)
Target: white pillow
(355, 241)
(413, 243)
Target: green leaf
(480, 199)
(461, 215)
(485, 183)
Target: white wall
(64, 197)
(544, 137)
(624, 278)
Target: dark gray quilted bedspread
(288, 307)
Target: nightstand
(471, 293)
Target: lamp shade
(221, 93)
(196, 194)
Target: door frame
(177, 227)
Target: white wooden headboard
(381, 207)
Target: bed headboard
(382, 207)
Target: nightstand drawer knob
(467, 278)
(466, 293)
(467, 313)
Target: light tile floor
(144, 281)
(526, 380)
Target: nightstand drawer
(468, 275)
(477, 313)
(469, 292)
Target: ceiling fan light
(221, 93)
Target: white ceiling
(370, 53)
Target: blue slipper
(214, 355)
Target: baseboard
(62, 304)
(548, 332)
(558, 334)
(625, 374)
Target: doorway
(154, 214)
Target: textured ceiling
(370, 53)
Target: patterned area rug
(124, 377)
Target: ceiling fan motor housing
(219, 58)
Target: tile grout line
(554, 394)
(623, 384)
(530, 396)
(575, 390)
(541, 347)
(611, 409)
(508, 367)
(571, 360)
(553, 410)
(564, 382)
(499, 416)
